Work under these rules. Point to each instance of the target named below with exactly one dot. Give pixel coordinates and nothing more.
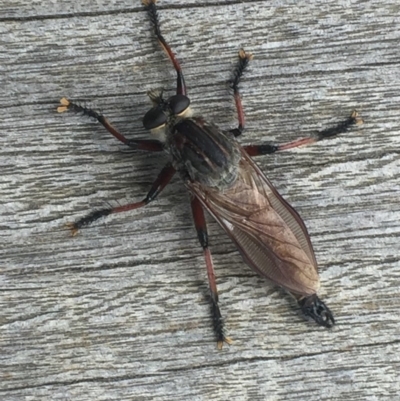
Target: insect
(222, 178)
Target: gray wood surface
(120, 312)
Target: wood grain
(120, 312)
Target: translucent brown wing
(268, 232)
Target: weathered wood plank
(120, 312)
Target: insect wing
(268, 232)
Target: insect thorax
(204, 153)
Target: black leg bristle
(340, 128)
(91, 217)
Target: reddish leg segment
(201, 228)
(342, 127)
(152, 11)
(149, 145)
(159, 184)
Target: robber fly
(223, 179)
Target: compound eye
(178, 104)
(154, 118)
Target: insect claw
(244, 55)
(356, 117)
(65, 103)
(226, 340)
(147, 2)
(73, 228)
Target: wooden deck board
(120, 312)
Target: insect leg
(342, 127)
(159, 184)
(242, 64)
(142, 144)
(201, 228)
(151, 8)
